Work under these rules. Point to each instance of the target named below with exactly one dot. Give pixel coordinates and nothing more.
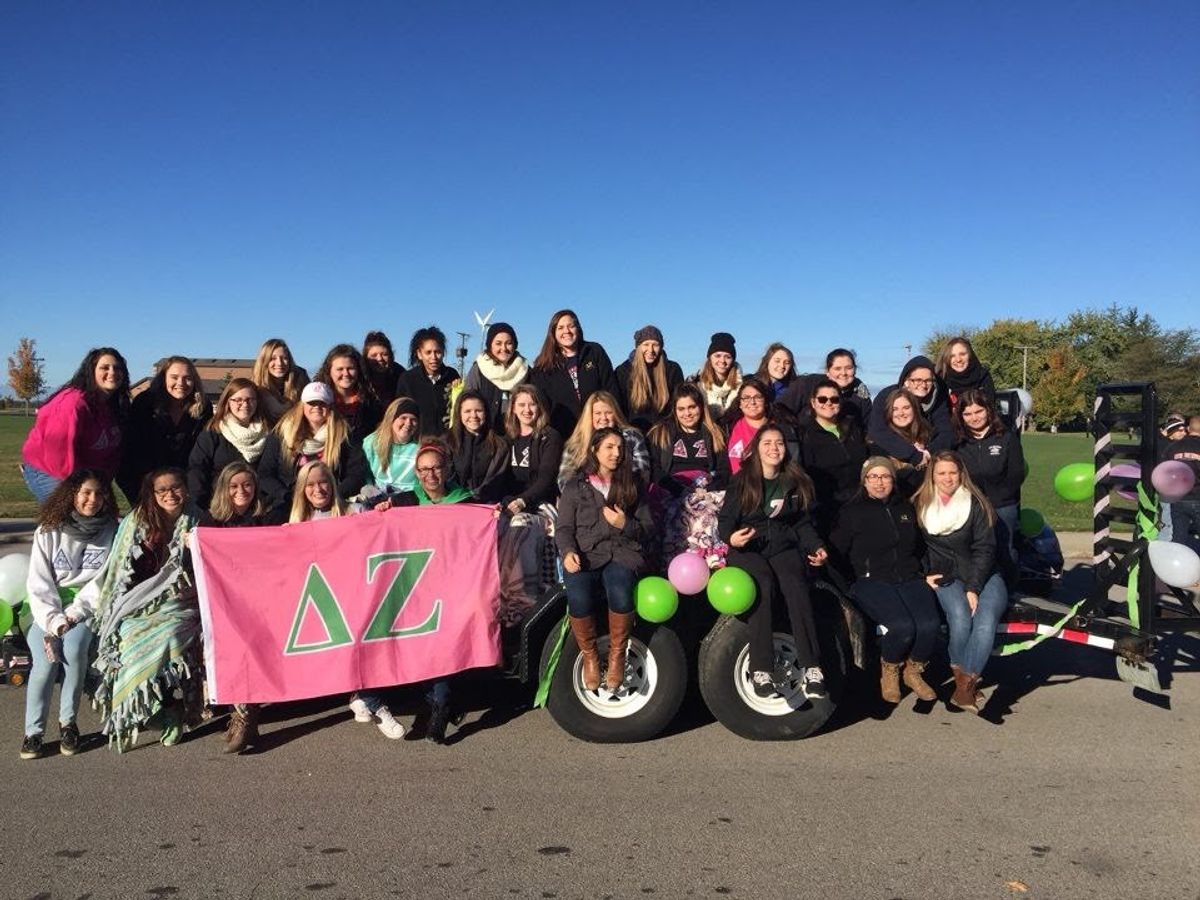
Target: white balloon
(1026, 399)
(14, 569)
(1175, 564)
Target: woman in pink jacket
(79, 427)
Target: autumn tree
(1058, 395)
(25, 375)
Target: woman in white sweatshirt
(72, 541)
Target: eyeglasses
(882, 476)
(828, 401)
(429, 470)
(173, 489)
(752, 398)
(918, 381)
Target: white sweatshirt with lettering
(61, 561)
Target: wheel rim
(780, 704)
(641, 678)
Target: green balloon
(1075, 482)
(6, 617)
(731, 591)
(657, 600)
(1031, 522)
(25, 617)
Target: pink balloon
(688, 573)
(1131, 470)
(1173, 479)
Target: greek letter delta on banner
(337, 605)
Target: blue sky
(194, 178)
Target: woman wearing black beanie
(720, 377)
(497, 372)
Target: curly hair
(57, 509)
(420, 336)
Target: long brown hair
(222, 408)
(57, 509)
(919, 431)
(549, 357)
(942, 365)
(927, 492)
(648, 388)
(511, 426)
(454, 438)
(792, 477)
(660, 434)
(150, 514)
(622, 491)
(764, 376)
(158, 387)
(976, 397)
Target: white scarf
(504, 377)
(247, 439)
(945, 518)
(315, 445)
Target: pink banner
(333, 606)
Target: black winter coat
(365, 418)
(967, 554)
(479, 470)
(595, 374)
(789, 527)
(211, 453)
(385, 385)
(277, 475)
(996, 464)
(833, 464)
(432, 396)
(643, 420)
(938, 416)
(880, 538)
(152, 440)
(583, 529)
(545, 456)
(856, 400)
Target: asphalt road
(1069, 786)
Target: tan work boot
(914, 681)
(243, 728)
(584, 629)
(889, 681)
(619, 626)
(964, 694)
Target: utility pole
(461, 352)
(1025, 348)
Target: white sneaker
(388, 725)
(361, 713)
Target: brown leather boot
(584, 629)
(619, 626)
(889, 681)
(964, 694)
(980, 697)
(243, 728)
(914, 681)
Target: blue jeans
(907, 611)
(40, 484)
(618, 583)
(76, 650)
(972, 636)
(1008, 519)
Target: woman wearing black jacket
(345, 373)
(383, 372)
(958, 524)
(497, 372)
(603, 524)
(568, 369)
(429, 380)
(878, 533)
(647, 379)
(765, 520)
(164, 422)
(832, 451)
(479, 456)
(237, 432)
(919, 379)
(996, 463)
(960, 370)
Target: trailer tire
(655, 683)
(724, 669)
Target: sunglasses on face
(827, 401)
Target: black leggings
(907, 610)
(783, 574)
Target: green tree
(1058, 396)
(25, 375)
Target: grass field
(1046, 454)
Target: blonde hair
(293, 430)
(301, 509)
(575, 450)
(382, 435)
(708, 376)
(220, 506)
(289, 390)
(926, 494)
(511, 426)
(648, 388)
